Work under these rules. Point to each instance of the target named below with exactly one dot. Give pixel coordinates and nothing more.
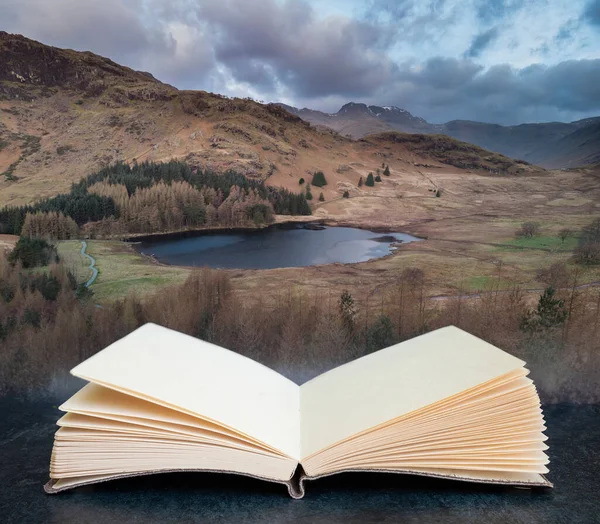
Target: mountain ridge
(533, 142)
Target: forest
(48, 325)
(148, 197)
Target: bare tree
(564, 233)
(528, 230)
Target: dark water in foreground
(274, 247)
(26, 432)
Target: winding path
(92, 264)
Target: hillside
(576, 149)
(64, 114)
(551, 145)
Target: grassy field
(69, 252)
(553, 243)
(122, 270)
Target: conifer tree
(318, 179)
(370, 180)
(386, 171)
(308, 193)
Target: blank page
(395, 381)
(187, 374)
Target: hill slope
(64, 114)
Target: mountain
(358, 120)
(551, 145)
(65, 114)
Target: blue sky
(503, 61)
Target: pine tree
(308, 193)
(550, 312)
(321, 198)
(348, 311)
(377, 178)
(370, 180)
(386, 171)
(360, 182)
(318, 179)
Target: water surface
(274, 247)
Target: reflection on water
(275, 247)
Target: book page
(199, 378)
(385, 385)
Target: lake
(295, 245)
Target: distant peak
(354, 107)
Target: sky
(500, 61)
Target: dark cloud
(444, 73)
(591, 12)
(501, 94)
(282, 49)
(494, 10)
(311, 57)
(481, 41)
(111, 28)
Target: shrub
(301, 181)
(381, 334)
(377, 178)
(438, 194)
(319, 179)
(346, 194)
(32, 252)
(386, 171)
(32, 317)
(360, 182)
(588, 250)
(587, 253)
(47, 285)
(370, 180)
(321, 198)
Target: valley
(94, 152)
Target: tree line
(168, 195)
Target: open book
(445, 404)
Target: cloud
(494, 10)
(504, 61)
(481, 41)
(501, 93)
(591, 12)
(311, 57)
